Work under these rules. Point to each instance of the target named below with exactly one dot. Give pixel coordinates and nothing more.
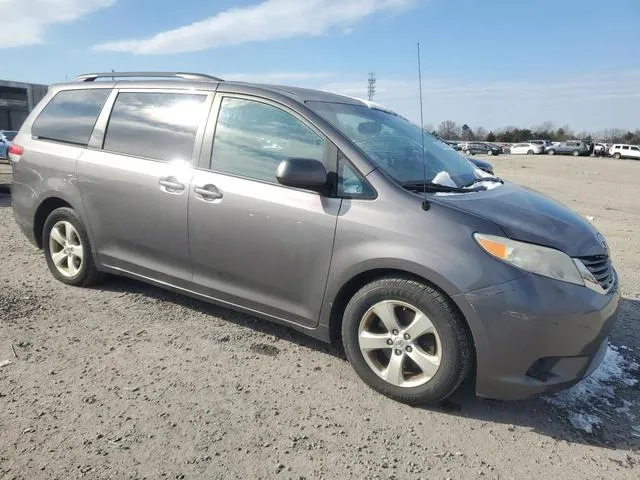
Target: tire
(71, 245)
(490, 152)
(575, 153)
(530, 152)
(405, 299)
(468, 152)
(617, 156)
(551, 152)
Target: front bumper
(535, 335)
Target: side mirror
(303, 173)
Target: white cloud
(593, 101)
(25, 21)
(269, 20)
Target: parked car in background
(471, 148)
(5, 139)
(526, 149)
(571, 147)
(481, 164)
(544, 143)
(601, 149)
(625, 151)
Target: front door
(135, 189)
(253, 242)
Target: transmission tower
(372, 86)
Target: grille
(600, 267)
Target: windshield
(394, 144)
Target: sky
(489, 63)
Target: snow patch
(584, 399)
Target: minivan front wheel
(406, 340)
(67, 248)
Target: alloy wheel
(66, 249)
(400, 343)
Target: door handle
(208, 192)
(171, 184)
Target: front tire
(490, 152)
(617, 156)
(530, 152)
(576, 153)
(551, 152)
(67, 249)
(406, 340)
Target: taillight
(15, 152)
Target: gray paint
(285, 254)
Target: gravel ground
(129, 381)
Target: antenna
(425, 203)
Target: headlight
(544, 261)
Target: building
(16, 101)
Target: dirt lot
(128, 381)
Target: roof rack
(90, 77)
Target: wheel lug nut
(406, 336)
(395, 332)
(398, 352)
(389, 342)
(409, 349)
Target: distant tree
(449, 130)
(491, 137)
(467, 133)
(480, 134)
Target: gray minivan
(329, 214)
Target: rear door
(253, 242)
(135, 180)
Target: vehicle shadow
(540, 415)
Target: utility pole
(372, 86)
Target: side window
(351, 183)
(252, 138)
(161, 126)
(635, 149)
(70, 116)
(625, 147)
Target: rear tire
(530, 152)
(576, 153)
(490, 152)
(551, 152)
(412, 307)
(468, 152)
(67, 249)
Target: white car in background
(625, 151)
(526, 149)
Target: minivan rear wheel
(67, 249)
(406, 340)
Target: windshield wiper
(485, 179)
(437, 187)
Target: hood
(526, 215)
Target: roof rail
(90, 77)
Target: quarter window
(161, 126)
(351, 184)
(252, 138)
(70, 116)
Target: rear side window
(161, 126)
(70, 116)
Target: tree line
(450, 130)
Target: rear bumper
(535, 335)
